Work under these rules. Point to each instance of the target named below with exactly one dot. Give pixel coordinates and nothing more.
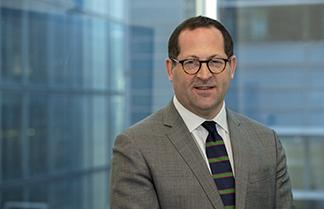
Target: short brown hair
(198, 22)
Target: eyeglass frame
(200, 64)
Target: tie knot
(210, 126)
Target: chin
(206, 107)
(206, 104)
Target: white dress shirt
(199, 133)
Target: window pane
(74, 74)
(11, 137)
(278, 81)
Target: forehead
(201, 41)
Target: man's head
(198, 22)
(202, 90)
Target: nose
(204, 72)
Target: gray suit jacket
(157, 164)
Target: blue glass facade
(140, 70)
(280, 48)
(74, 73)
(57, 107)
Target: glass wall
(56, 104)
(74, 73)
(280, 48)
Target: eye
(216, 62)
(190, 62)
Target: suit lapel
(187, 148)
(240, 154)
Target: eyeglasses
(192, 66)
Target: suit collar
(170, 115)
(181, 138)
(240, 147)
(193, 121)
(184, 143)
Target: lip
(204, 87)
(204, 90)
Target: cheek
(181, 83)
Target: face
(204, 92)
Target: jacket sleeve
(131, 185)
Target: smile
(203, 87)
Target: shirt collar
(193, 121)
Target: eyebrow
(210, 57)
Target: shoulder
(133, 139)
(240, 118)
(257, 135)
(153, 126)
(247, 123)
(147, 136)
(146, 125)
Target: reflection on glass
(276, 85)
(117, 57)
(10, 138)
(54, 92)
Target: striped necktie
(220, 165)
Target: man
(195, 153)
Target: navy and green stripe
(214, 143)
(220, 165)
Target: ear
(233, 63)
(169, 68)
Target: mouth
(204, 91)
(204, 87)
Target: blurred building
(74, 73)
(280, 49)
